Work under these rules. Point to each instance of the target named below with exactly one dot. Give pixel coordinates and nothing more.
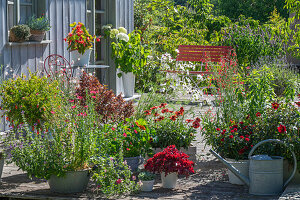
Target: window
(18, 11)
(96, 18)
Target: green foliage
(127, 50)
(256, 9)
(21, 32)
(113, 177)
(170, 127)
(146, 176)
(31, 97)
(39, 23)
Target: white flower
(122, 30)
(123, 36)
(106, 27)
(113, 33)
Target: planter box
(191, 152)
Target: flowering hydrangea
(123, 37)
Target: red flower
(118, 181)
(147, 112)
(155, 107)
(196, 124)
(218, 129)
(124, 134)
(247, 139)
(156, 114)
(242, 137)
(230, 136)
(281, 129)
(161, 118)
(94, 97)
(74, 106)
(98, 39)
(197, 119)
(164, 110)
(258, 114)
(189, 120)
(241, 123)
(275, 105)
(162, 105)
(173, 117)
(241, 151)
(222, 139)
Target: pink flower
(37, 94)
(135, 131)
(113, 129)
(124, 134)
(86, 106)
(94, 97)
(127, 149)
(133, 178)
(71, 101)
(79, 97)
(73, 106)
(94, 92)
(118, 181)
(52, 111)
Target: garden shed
(22, 57)
(93, 13)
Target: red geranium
(170, 160)
(281, 128)
(275, 105)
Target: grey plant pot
(134, 162)
(72, 182)
(1, 166)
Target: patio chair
(55, 63)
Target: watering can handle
(278, 141)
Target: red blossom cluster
(170, 160)
(281, 128)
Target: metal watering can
(265, 173)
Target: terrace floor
(209, 182)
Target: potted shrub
(129, 54)
(38, 27)
(31, 97)
(61, 151)
(19, 33)
(147, 179)
(131, 139)
(171, 128)
(80, 43)
(170, 163)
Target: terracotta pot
(37, 35)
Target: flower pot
(72, 182)
(80, 60)
(170, 180)
(242, 166)
(128, 83)
(134, 162)
(14, 38)
(147, 186)
(37, 35)
(1, 166)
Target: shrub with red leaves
(109, 106)
(170, 160)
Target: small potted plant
(129, 54)
(170, 163)
(80, 43)
(38, 27)
(147, 179)
(19, 33)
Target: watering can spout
(232, 168)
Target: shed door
(97, 16)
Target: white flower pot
(128, 83)
(242, 166)
(147, 186)
(169, 181)
(1, 167)
(72, 182)
(80, 60)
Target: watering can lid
(261, 157)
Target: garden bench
(197, 53)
